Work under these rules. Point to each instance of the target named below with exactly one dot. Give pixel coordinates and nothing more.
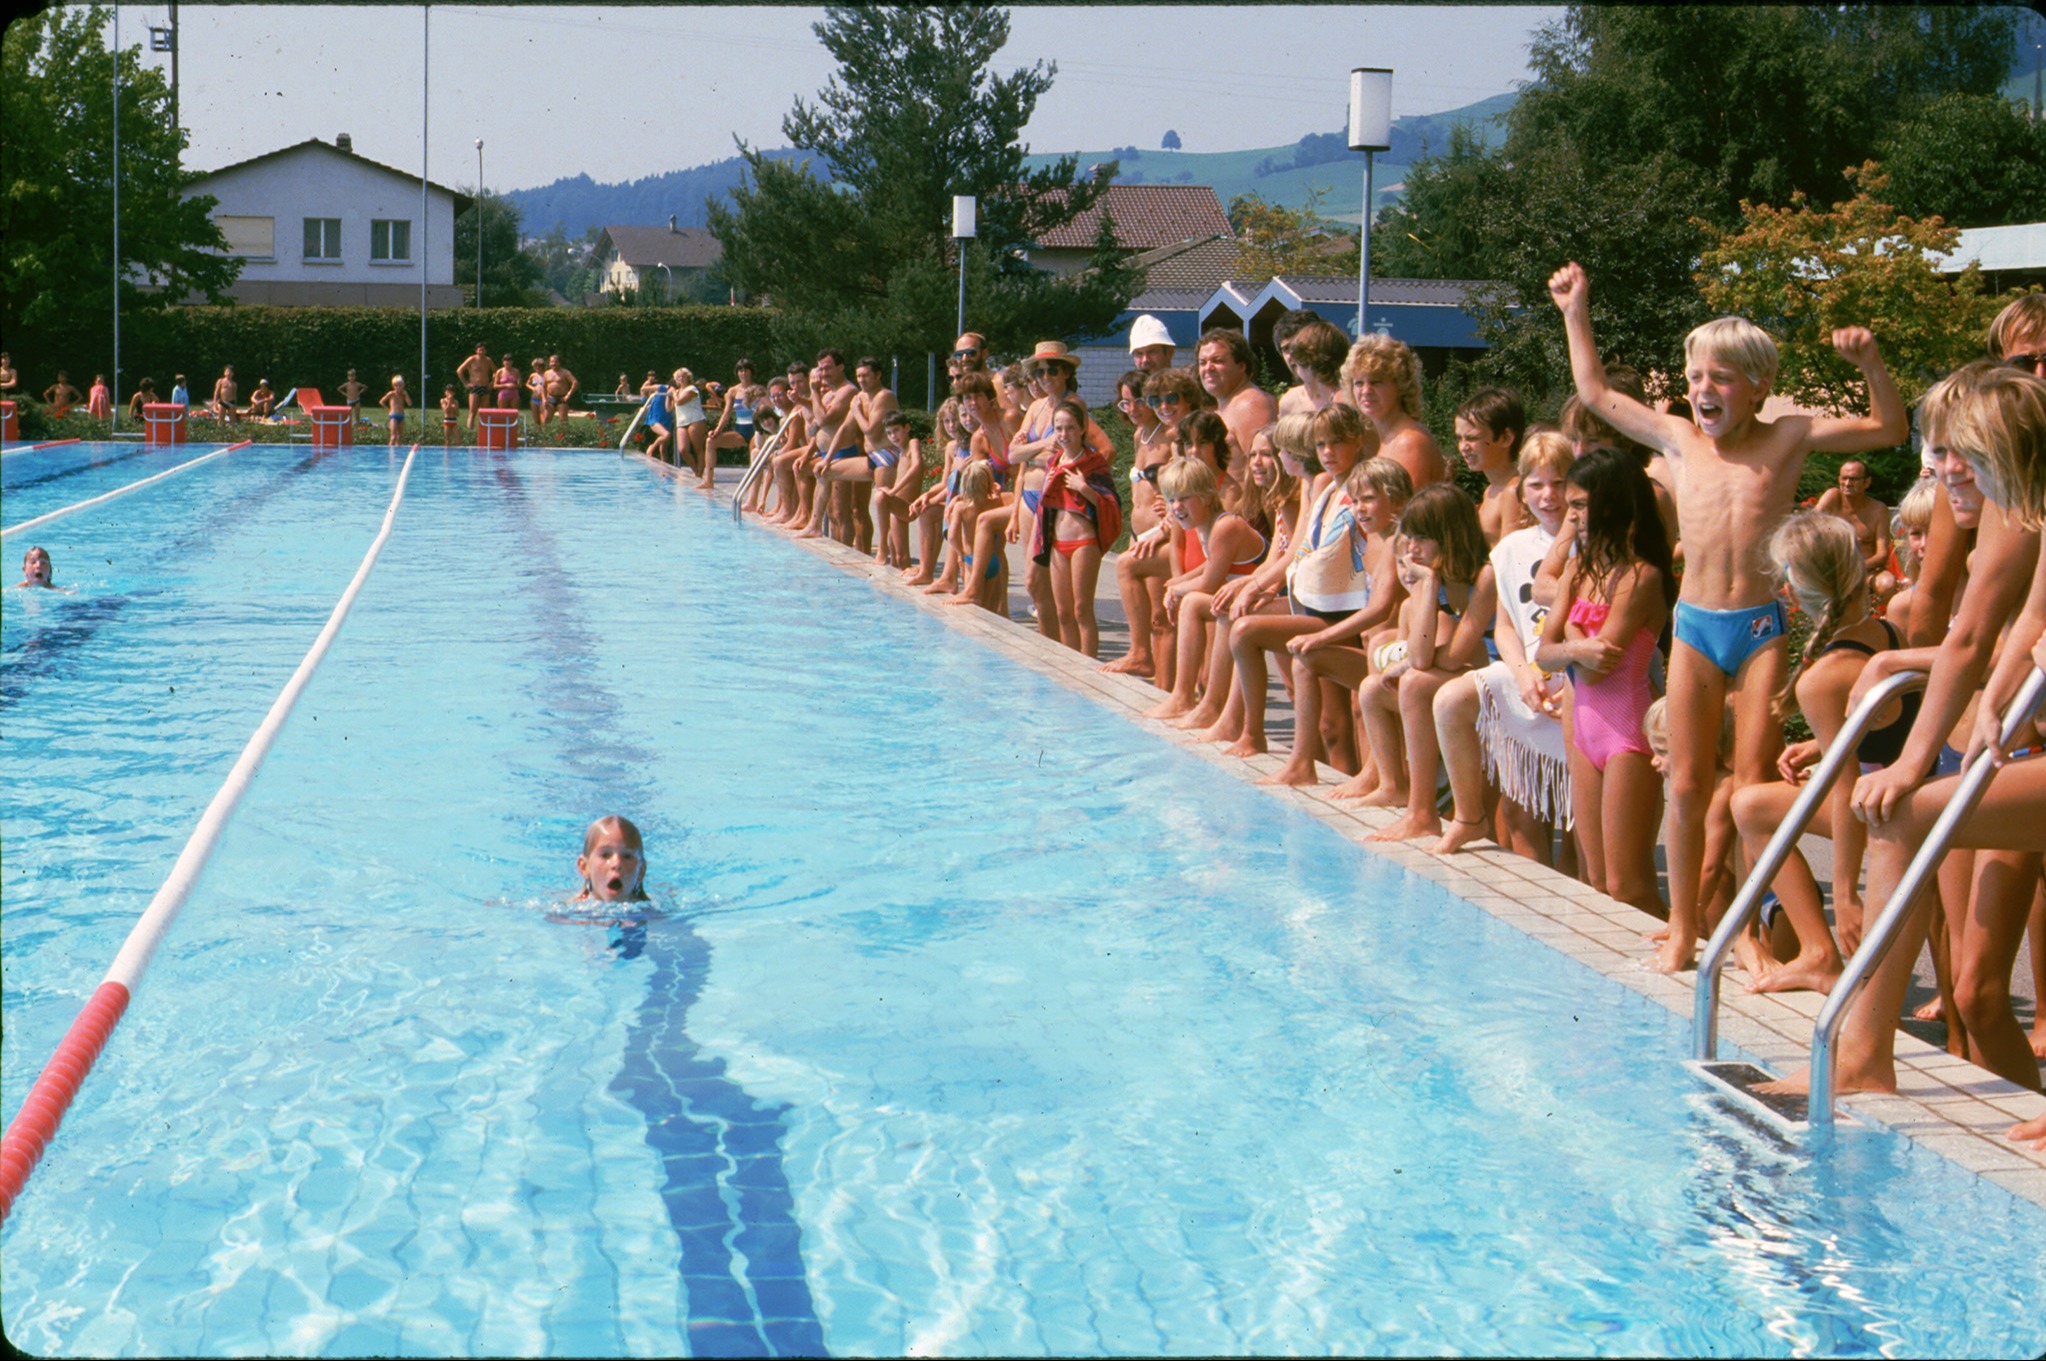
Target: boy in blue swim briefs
(1736, 478)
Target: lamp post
(479, 221)
(1370, 132)
(964, 207)
(669, 297)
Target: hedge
(316, 346)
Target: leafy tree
(1803, 271)
(1170, 141)
(1275, 239)
(1975, 160)
(1644, 127)
(511, 277)
(57, 181)
(913, 117)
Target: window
(251, 238)
(390, 241)
(323, 238)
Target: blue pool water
(974, 1020)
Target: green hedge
(316, 346)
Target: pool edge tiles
(1943, 1104)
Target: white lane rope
(105, 497)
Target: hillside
(1289, 176)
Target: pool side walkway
(1943, 1103)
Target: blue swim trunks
(853, 452)
(1727, 638)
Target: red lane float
(35, 1124)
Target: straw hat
(1054, 352)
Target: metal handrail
(1974, 781)
(633, 424)
(1705, 1008)
(753, 472)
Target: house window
(390, 241)
(323, 238)
(251, 238)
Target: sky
(623, 92)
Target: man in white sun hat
(1151, 345)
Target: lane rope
(105, 497)
(35, 1124)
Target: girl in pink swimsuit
(1613, 604)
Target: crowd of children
(1594, 653)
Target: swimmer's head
(35, 567)
(613, 862)
(898, 420)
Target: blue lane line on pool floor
(723, 1184)
(43, 479)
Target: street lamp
(1370, 132)
(670, 295)
(964, 207)
(479, 221)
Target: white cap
(1147, 331)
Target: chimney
(345, 143)
(671, 223)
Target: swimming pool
(977, 1023)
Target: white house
(662, 262)
(317, 225)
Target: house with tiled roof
(1146, 217)
(315, 224)
(1435, 316)
(658, 262)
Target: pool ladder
(1876, 941)
(753, 473)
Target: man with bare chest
(1848, 498)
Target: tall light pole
(116, 181)
(669, 296)
(479, 221)
(1370, 133)
(964, 208)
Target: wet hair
(622, 827)
(1321, 346)
(1187, 478)
(1819, 558)
(894, 418)
(1444, 514)
(1498, 411)
(1179, 383)
(1994, 416)
(977, 480)
(1340, 423)
(2024, 315)
(1074, 407)
(1377, 356)
(1394, 485)
(833, 353)
(1621, 522)
(1585, 427)
(1736, 341)
(1205, 427)
(1914, 516)
(1235, 343)
(974, 384)
(1546, 451)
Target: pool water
(969, 1020)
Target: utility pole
(175, 124)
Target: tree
(511, 277)
(57, 181)
(1170, 141)
(1646, 125)
(913, 117)
(1274, 239)
(1802, 272)
(1432, 231)
(1975, 160)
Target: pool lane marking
(723, 1185)
(105, 497)
(35, 1124)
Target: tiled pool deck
(1943, 1103)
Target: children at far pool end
(1736, 477)
(450, 415)
(395, 401)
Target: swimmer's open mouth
(615, 884)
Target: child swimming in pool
(35, 569)
(613, 862)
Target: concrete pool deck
(1943, 1103)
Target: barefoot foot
(1129, 664)
(1294, 775)
(1458, 835)
(1799, 975)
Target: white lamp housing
(963, 212)
(1371, 108)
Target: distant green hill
(1289, 175)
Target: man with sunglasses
(969, 354)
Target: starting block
(163, 423)
(333, 427)
(497, 427)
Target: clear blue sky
(621, 93)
